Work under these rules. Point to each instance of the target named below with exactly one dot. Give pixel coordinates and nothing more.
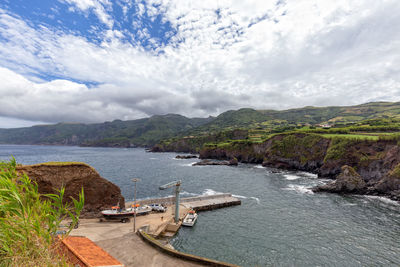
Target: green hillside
(142, 132)
(149, 131)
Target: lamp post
(134, 206)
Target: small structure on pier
(177, 185)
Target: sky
(99, 60)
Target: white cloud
(224, 55)
(99, 7)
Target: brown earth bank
(375, 165)
(99, 193)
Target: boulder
(211, 162)
(99, 193)
(348, 181)
(186, 157)
(233, 162)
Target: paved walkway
(131, 250)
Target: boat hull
(189, 220)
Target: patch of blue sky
(150, 32)
(51, 77)
(55, 15)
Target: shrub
(29, 221)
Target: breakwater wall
(172, 252)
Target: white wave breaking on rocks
(299, 188)
(291, 177)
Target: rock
(186, 157)
(210, 162)
(99, 193)
(348, 181)
(233, 162)
(390, 183)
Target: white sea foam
(384, 200)
(244, 197)
(291, 177)
(299, 188)
(153, 158)
(309, 174)
(256, 199)
(188, 164)
(259, 167)
(189, 194)
(239, 196)
(210, 192)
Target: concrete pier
(200, 203)
(118, 238)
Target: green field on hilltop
(354, 136)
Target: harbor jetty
(131, 249)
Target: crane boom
(177, 190)
(171, 184)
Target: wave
(384, 200)
(189, 194)
(210, 192)
(308, 174)
(244, 197)
(259, 167)
(256, 199)
(291, 177)
(188, 164)
(299, 188)
(239, 196)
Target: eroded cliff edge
(99, 192)
(376, 162)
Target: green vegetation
(29, 221)
(301, 146)
(352, 136)
(338, 147)
(396, 172)
(379, 118)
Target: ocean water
(280, 222)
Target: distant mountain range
(149, 131)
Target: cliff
(99, 193)
(375, 162)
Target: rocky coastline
(356, 166)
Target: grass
(352, 136)
(29, 220)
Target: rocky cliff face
(99, 193)
(373, 161)
(348, 181)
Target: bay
(280, 222)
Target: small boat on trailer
(190, 219)
(124, 215)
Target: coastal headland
(376, 162)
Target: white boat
(190, 218)
(142, 210)
(115, 213)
